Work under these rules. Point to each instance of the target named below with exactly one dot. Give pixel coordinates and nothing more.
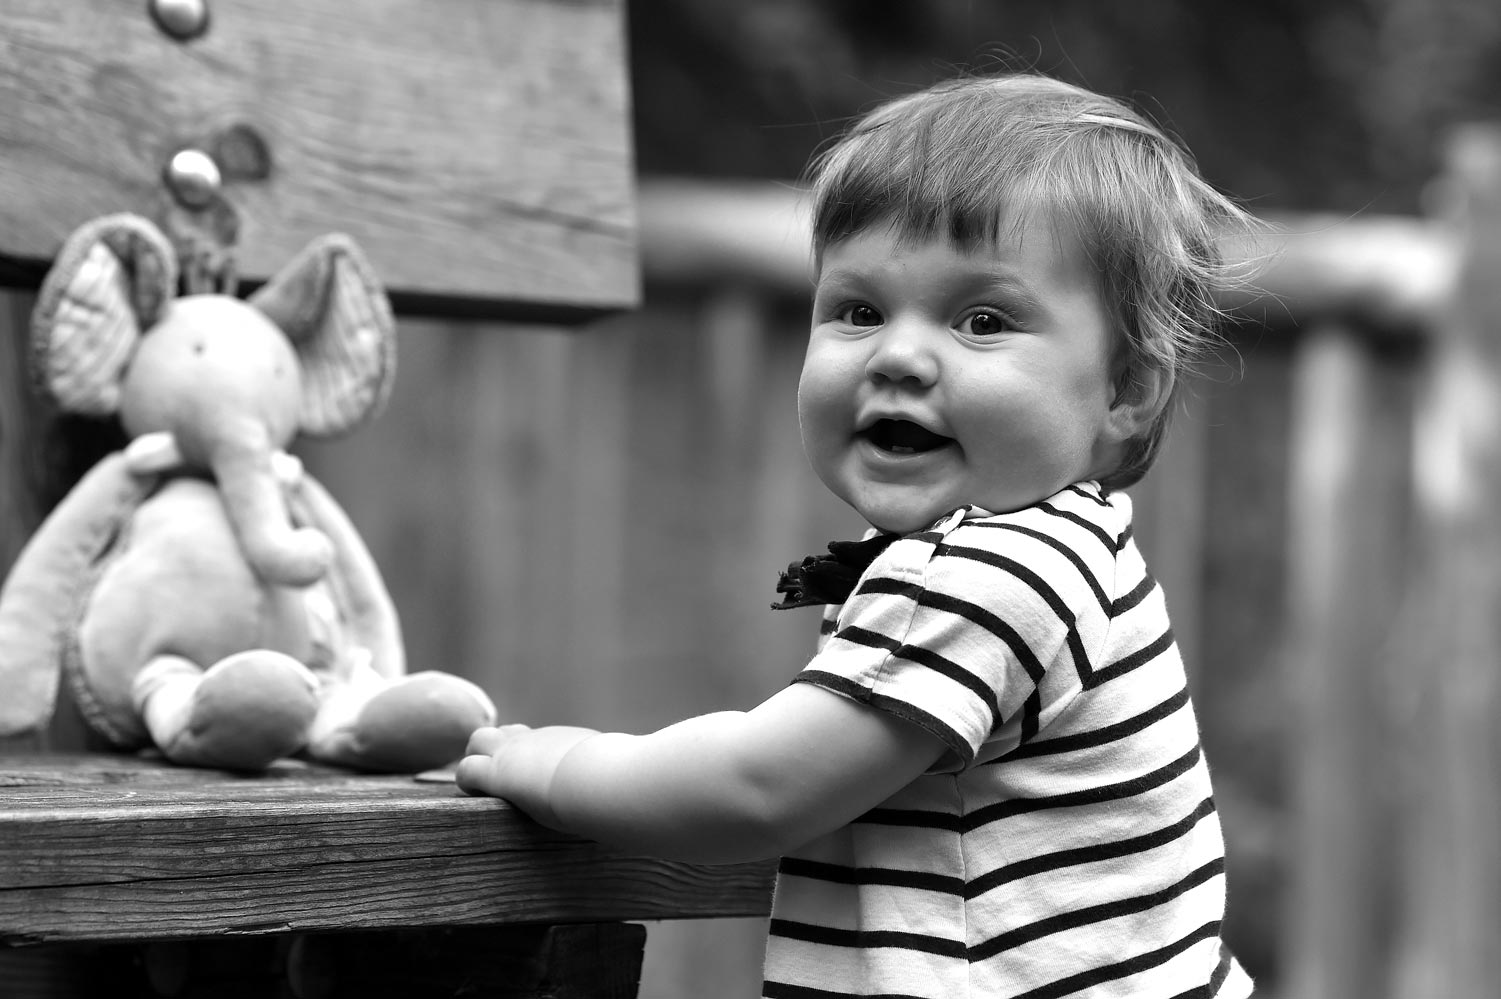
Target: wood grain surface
(478, 150)
(100, 847)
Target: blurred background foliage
(1329, 105)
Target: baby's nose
(903, 352)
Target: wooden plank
(478, 150)
(97, 847)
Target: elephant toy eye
(198, 347)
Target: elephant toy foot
(242, 713)
(417, 722)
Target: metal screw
(193, 177)
(184, 20)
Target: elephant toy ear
(112, 278)
(331, 306)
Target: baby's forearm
(688, 792)
(717, 788)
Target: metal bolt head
(181, 19)
(193, 177)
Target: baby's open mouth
(903, 437)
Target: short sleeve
(977, 631)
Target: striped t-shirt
(1066, 844)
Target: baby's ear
(1142, 392)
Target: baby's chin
(903, 523)
(911, 522)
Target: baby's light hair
(956, 159)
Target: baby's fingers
(490, 738)
(478, 771)
(475, 774)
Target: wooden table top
(113, 847)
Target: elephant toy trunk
(277, 551)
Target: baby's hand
(517, 763)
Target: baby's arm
(717, 788)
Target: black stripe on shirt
(1138, 593)
(1095, 853)
(785, 990)
(932, 660)
(1031, 715)
(1011, 807)
(994, 624)
(916, 818)
(1122, 969)
(1113, 544)
(1130, 662)
(976, 615)
(1095, 913)
(889, 584)
(997, 626)
(1096, 500)
(1021, 570)
(867, 939)
(1216, 981)
(817, 870)
(1088, 796)
(982, 618)
(1017, 570)
(839, 874)
(1099, 736)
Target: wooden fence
(589, 523)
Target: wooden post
(1348, 460)
(1453, 909)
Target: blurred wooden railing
(589, 523)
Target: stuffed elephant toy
(198, 591)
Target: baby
(988, 780)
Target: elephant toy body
(199, 591)
(174, 586)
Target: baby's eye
(985, 324)
(862, 315)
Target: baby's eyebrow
(839, 275)
(1014, 290)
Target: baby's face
(938, 376)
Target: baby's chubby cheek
(823, 418)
